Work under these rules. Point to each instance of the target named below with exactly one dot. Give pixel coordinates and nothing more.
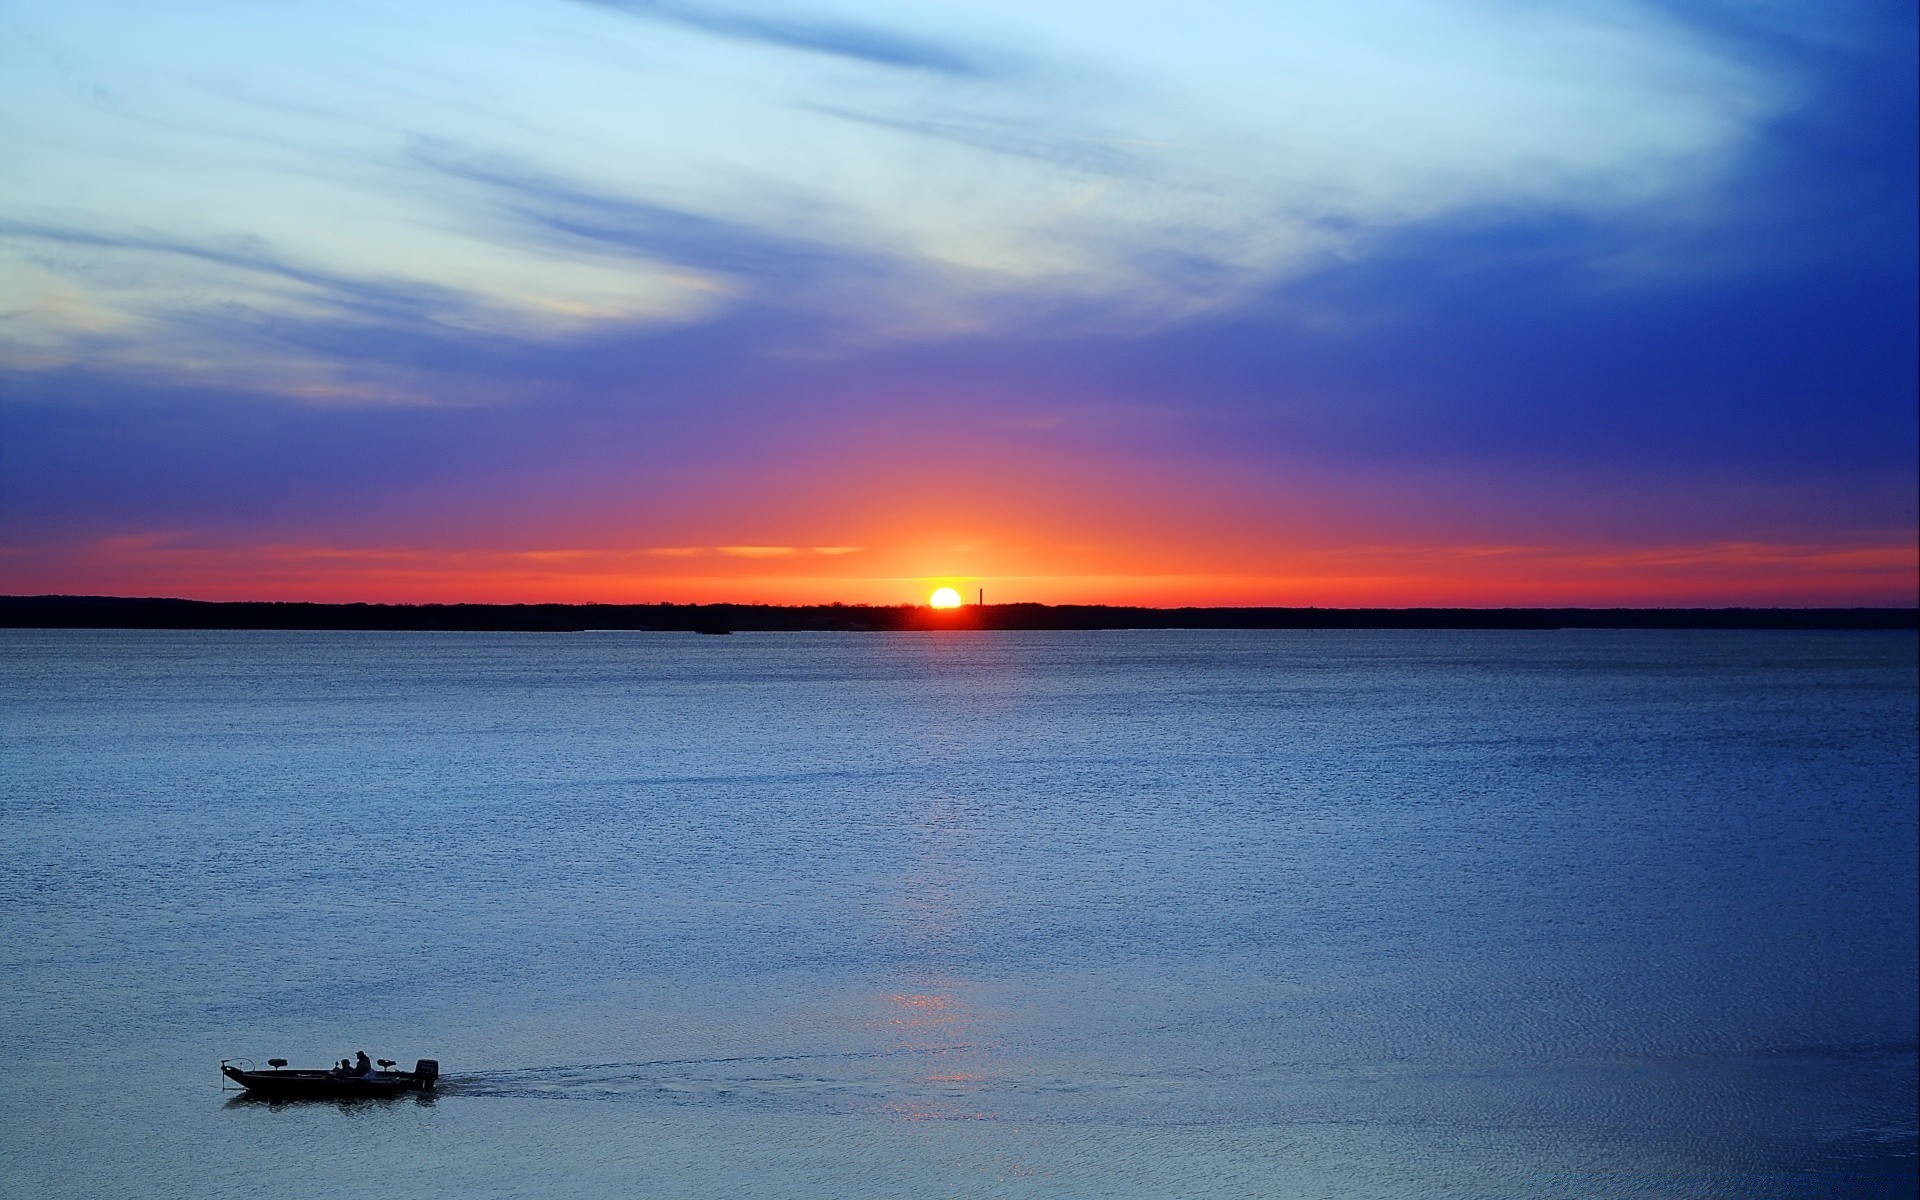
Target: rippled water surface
(1234, 914)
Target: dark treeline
(110, 612)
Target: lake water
(1208, 914)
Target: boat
(278, 1083)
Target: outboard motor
(427, 1070)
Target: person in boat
(362, 1065)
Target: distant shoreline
(112, 612)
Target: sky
(1385, 302)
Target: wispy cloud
(628, 225)
(546, 172)
(395, 299)
(749, 551)
(1061, 148)
(862, 43)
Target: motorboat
(337, 1083)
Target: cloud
(544, 173)
(749, 551)
(398, 300)
(625, 225)
(1092, 155)
(861, 43)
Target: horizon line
(10, 598)
(155, 613)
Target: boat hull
(326, 1085)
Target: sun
(944, 598)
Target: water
(1223, 914)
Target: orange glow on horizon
(1715, 574)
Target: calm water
(1232, 914)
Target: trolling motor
(226, 1064)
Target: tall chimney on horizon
(983, 599)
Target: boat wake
(854, 1079)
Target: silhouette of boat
(278, 1083)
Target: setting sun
(944, 597)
